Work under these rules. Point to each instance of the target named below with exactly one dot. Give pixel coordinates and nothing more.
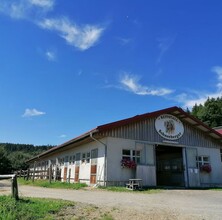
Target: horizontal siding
(145, 131)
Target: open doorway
(169, 166)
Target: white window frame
(88, 157)
(78, 158)
(73, 159)
(202, 160)
(83, 157)
(133, 155)
(94, 156)
(70, 159)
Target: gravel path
(170, 204)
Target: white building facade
(163, 148)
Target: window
(94, 153)
(221, 154)
(78, 155)
(126, 154)
(94, 156)
(136, 156)
(66, 159)
(83, 157)
(70, 159)
(73, 159)
(202, 160)
(131, 155)
(87, 157)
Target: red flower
(206, 168)
(128, 163)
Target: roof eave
(59, 147)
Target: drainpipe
(105, 157)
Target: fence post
(50, 173)
(27, 177)
(69, 175)
(15, 187)
(33, 174)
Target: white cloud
(218, 71)
(47, 4)
(197, 97)
(131, 84)
(50, 55)
(63, 136)
(164, 45)
(25, 9)
(80, 37)
(124, 41)
(13, 9)
(32, 112)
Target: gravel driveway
(166, 204)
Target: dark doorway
(169, 166)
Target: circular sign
(169, 127)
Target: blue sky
(68, 66)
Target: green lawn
(124, 189)
(57, 184)
(30, 208)
(64, 185)
(49, 209)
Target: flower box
(128, 163)
(206, 168)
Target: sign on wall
(169, 127)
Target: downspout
(105, 157)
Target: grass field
(57, 184)
(124, 189)
(48, 209)
(30, 208)
(76, 186)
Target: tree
(14, 156)
(5, 165)
(18, 160)
(210, 113)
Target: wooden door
(93, 169)
(77, 174)
(65, 174)
(93, 174)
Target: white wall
(215, 177)
(114, 171)
(114, 156)
(84, 170)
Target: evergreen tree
(210, 113)
(5, 165)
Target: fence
(40, 174)
(13, 177)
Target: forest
(14, 156)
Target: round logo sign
(169, 127)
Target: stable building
(168, 147)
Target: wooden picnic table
(134, 184)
